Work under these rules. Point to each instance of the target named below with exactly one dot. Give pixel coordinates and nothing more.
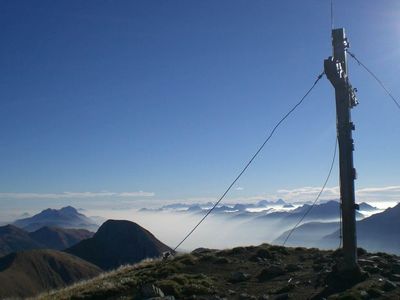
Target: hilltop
(119, 242)
(263, 272)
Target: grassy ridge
(263, 272)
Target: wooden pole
(337, 73)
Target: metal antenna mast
(337, 73)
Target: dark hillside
(119, 242)
(15, 239)
(30, 272)
(60, 238)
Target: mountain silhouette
(367, 207)
(66, 217)
(379, 232)
(30, 272)
(308, 234)
(60, 238)
(119, 242)
(329, 210)
(14, 239)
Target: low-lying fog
(219, 230)
(216, 231)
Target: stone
(364, 295)
(151, 291)
(388, 285)
(374, 292)
(231, 292)
(317, 267)
(265, 253)
(221, 261)
(394, 277)
(372, 269)
(239, 277)
(396, 268)
(293, 267)
(271, 272)
(245, 296)
(361, 252)
(285, 288)
(366, 262)
(201, 250)
(284, 296)
(374, 257)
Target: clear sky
(169, 99)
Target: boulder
(150, 291)
(239, 277)
(389, 286)
(271, 272)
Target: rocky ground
(263, 272)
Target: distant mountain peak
(66, 217)
(69, 209)
(367, 207)
(280, 202)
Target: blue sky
(171, 98)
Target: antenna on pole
(337, 72)
(332, 18)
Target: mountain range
(66, 217)
(120, 242)
(379, 232)
(326, 210)
(14, 239)
(198, 207)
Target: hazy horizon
(171, 226)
